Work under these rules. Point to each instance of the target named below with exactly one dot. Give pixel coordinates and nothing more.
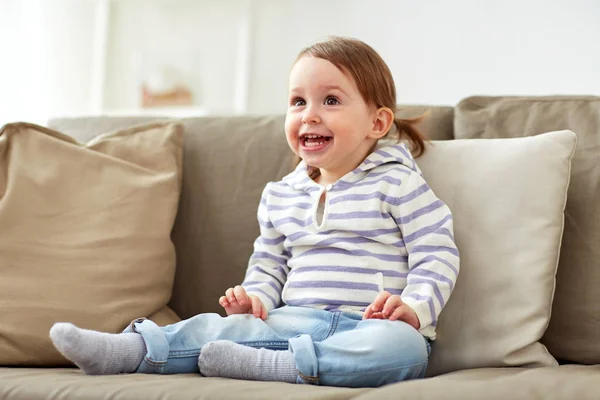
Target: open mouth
(314, 141)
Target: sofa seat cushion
(552, 383)
(69, 383)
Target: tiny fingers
(256, 306)
(398, 313)
(391, 304)
(230, 295)
(375, 309)
(224, 302)
(379, 301)
(263, 311)
(240, 295)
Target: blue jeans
(330, 348)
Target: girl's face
(328, 124)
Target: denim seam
(194, 352)
(377, 371)
(262, 343)
(334, 324)
(153, 363)
(183, 353)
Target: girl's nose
(310, 116)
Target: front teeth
(312, 144)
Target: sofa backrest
(227, 162)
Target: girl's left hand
(388, 306)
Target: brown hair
(373, 79)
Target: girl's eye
(331, 101)
(297, 102)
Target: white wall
(46, 53)
(439, 51)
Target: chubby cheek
(292, 126)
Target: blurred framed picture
(168, 79)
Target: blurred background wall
(194, 57)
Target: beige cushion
(575, 324)
(84, 233)
(507, 198)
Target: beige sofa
(227, 161)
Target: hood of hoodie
(385, 152)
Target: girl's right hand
(237, 301)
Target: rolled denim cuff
(306, 359)
(156, 344)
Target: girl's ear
(382, 122)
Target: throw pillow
(85, 233)
(507, 197)
(572, 335)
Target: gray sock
(99, 353)
(226, 359)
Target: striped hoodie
(382, 228)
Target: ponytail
(406, 129)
